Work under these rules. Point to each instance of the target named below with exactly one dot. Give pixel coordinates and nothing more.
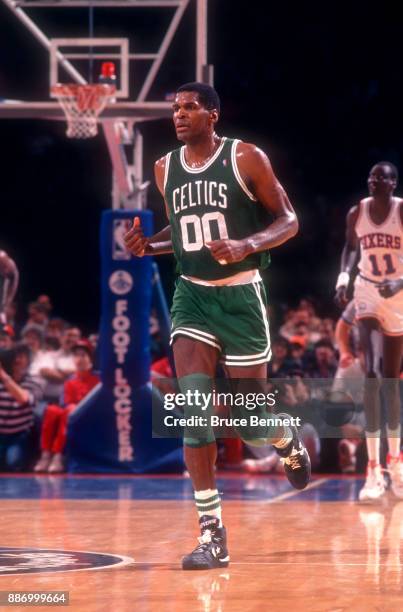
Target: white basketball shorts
(369, 304)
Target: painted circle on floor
(39, 560)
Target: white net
(82, 105)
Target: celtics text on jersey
(211, 203)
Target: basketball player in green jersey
(226, 209)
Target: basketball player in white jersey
(375, 227)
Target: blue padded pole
(112, 431)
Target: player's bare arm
(349, 257)
(9, 270)
(257, 173)
(158, 244)
(389, 288)
(342, 337)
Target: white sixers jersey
(381, 245)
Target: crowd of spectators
(318, 367)
(47, 368)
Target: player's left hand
(227, 251)
(389, 288)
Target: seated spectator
(302, 334)
(45, 301)
(54, 426)
(309, 305)
(298, 353)
(18, 396)
(301, 323)
(280, 364)
(6, 336)
(55, 329)
(37, 315)
(327, 330)
(51, 344)
(161, 375)
(161, 368)
(32, 336)
(60, 365)
(324, 364)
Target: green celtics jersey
(211, 203)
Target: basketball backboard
(77, 46)
(138, 69)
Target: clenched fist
(135, 240)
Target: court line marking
(312, 485)
(125, 561)
(175, 564)
(397, 566)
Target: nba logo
(120, 227)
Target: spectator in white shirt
(60, 365)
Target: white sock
(208, 502)
(374, 445)
(285, 440)
(394, 441)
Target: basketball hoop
(82, 105)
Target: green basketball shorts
(232, 319)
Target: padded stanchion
(111, 430)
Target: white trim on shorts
(249, 363)
(257, 358)
(196, 334)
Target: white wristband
(343, 280)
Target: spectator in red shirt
(54, 426)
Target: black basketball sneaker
(212, 551)
(295, 458)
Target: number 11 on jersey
(376, 271)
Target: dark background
(318, 86)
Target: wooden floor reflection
(285, 556)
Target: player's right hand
(341, 298)
(135, 240)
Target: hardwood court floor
(289, 552)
